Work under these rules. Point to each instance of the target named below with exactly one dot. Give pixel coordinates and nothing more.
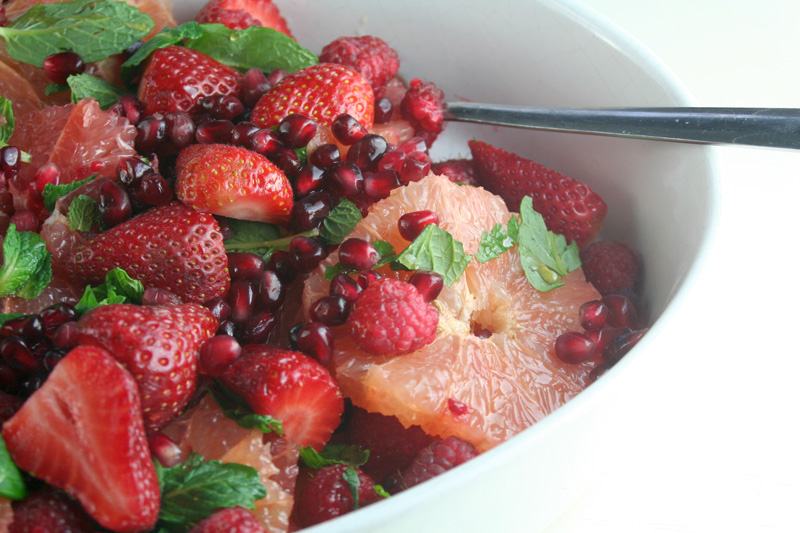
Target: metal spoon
(777, 128)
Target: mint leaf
(94, 29)
(195, 488)
(254, 47)
(340, 222)
(6, 121)
(88, 86)
(12, 486)
(52, 193)
(238, 411)
(350, 477)
(166, 37)
(118, 288)
(82, 213)
(26, 267)
(5, 317)
(435, 250)
(334, 454)
(498, 241)
(383, 247)
(380, 491)
(55, 88)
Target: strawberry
(82, 431)
(157, 345)
(290, 387)
(50, 509)
(568, 206)
(173, 247)
(177, 79)
(234, 182)
(322, 92)
(229, 520)
(241, 14)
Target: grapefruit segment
(18, 90)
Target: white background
(723, 452)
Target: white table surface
(723, 452)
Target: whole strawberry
(82, 431)
(328, 494)
(610, 266)
(241, 14)
(371, 56)
(291, 388)
(569, 207)
(177, 79)
(50, 510)
(234, 182)
(229, 520)
(321, 92)
(157, 345)
(173, 247)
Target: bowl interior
(662, 201)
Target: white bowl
(662, 199)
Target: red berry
(241, 14)
(229, 520)
(328, 495)
(50, 509)
(371, 56)
(436, 459)
(610, 266)
(423, 107)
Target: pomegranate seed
(309, 178)
(593, 315)
(414, 144)
(325, 156)
(131, 170)
(266, 142)
(181, 129)
(241, 298)
(383, 110)
(367, 277)
(227, 327)
(311, 210)
(574, 348)
(347, 129)
(49, 173)
(428, 284)
(270, 291)
(245, 266)
(222, 106)
(415, 167)
(58, 67)
(257, 329)
(605, 336)
(316, 340)
(240, 136)
(150, 133)
(9, 379)
(66, 335)
(392, 160)
(154, 190)
(32, 383)
(254, 85)
(358, 254)
(330, 310)
(280, 262)
(288, 161)
(25, 220)
(276, 75)
(130, 107)
(225, 228)
(15, 351)
(114, 206)
(598, 371)
(164, 449)
(297, 130)
(379, 185)
(305, 253)
(366, 151)
(293, 331)
(219, 308)
(412, 224)
(214, 131)
(345, 178)
(621, 310)
(345, 287)
(56, 315)
(217, 353)
(456, 407)
(157, 296)
(621, 345)
(52, 357)
(28, 327)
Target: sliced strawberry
(290, 387)
(568, 206)
(234, 182)
(50, 509)
(157, 345)
(177, 79)
(241, 14)
(174, 247)
(322, 92)
(82, 431)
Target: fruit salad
(237, 293)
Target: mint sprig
(118, 288)
(26, 269)
(82, 213)
(52, 193)
(6, 121)
(434, 250)
(12, 486)
(340, 222)
(94, 29)
(88, 86)
(260, 238)
(334, 454)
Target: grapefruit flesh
(483, 389)
(16, 88)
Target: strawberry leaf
(434, 250)
(52, 193)
(166, 37)
(12, 486)
(26, 267)
(334, 454)
(196, 488)
(88, 86)
(82, 213)
(340, 222)
(93, 29)
(118, 288)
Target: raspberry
(458, 170)
(50, 509)
(610, 266)
(436, 459)
(235, 19)
(391, 318)
(423, 108)
(371, 56)
(229, 519)
(328, 495)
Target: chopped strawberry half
(158, 346)
(174, 247)
(82, 431)
(241, 14)
(569, 207)
(177, 79)
(291, 388)
(234, 182)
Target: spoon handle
(777, 128)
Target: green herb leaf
(6, 121)
(382, 247)
(26, 267)
(5, 317)
(118, 288)
(94, 29)
(195, 488)
(254, 47)
(252, 237)
(340, 222)
(350, 477)
(435, 250)
(498, 241)
(52, 193)
(334, 454)
(380, 491)
(166, 37)
(237, 410)
(12, 486)
(88, 86)
(82, 213)
(55, 88)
